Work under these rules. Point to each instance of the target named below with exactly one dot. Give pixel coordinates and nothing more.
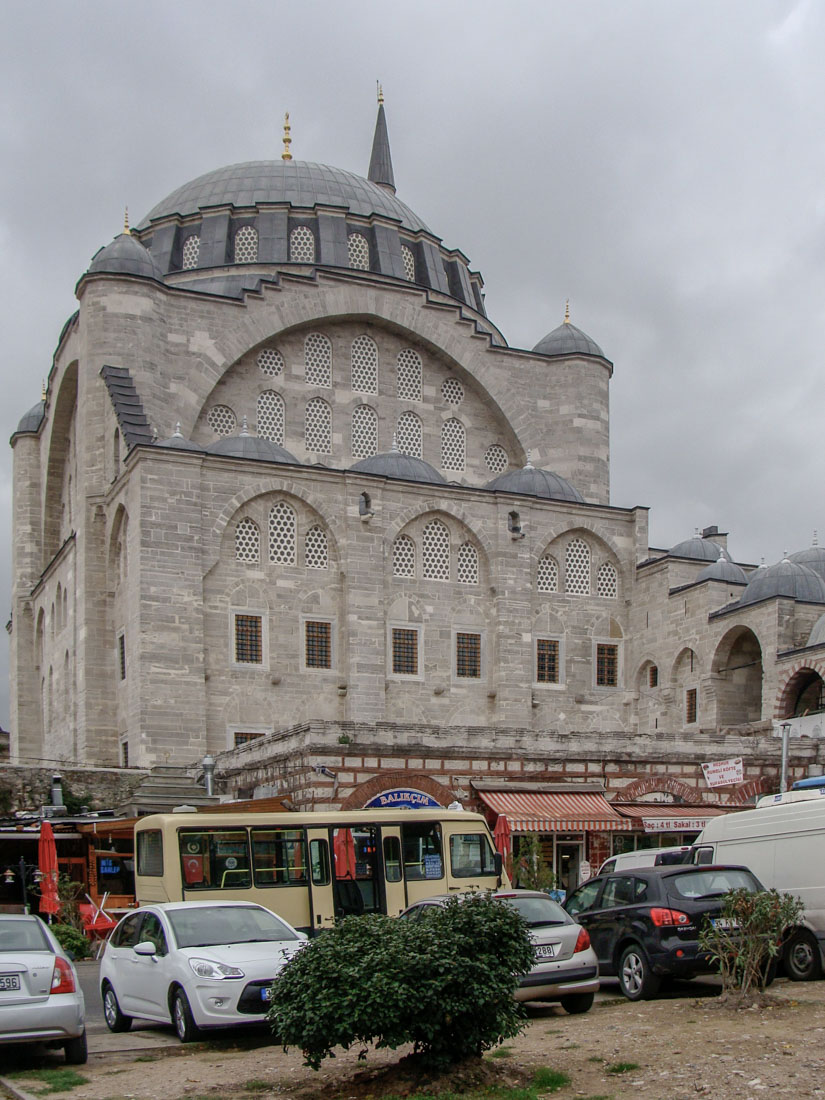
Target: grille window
(690, 705)
(282, 534)
(453, 445)
(495, 459)
(467, 564)
(403, 557)
(468, 656)
(408, 435)
(547, 661)
(607, 581)
(248, 640)
(318, 644)
(191, 251)
(607, 665)
(271, 361)
(317, 360)
(452, 391)
(318, 426)
(316, 553)
(364, 432)
(653, 676)
(221, 420)
(436, 551)
(364, 365)
(404, 651)
(547, 575)
(247, 541)
(302, 245)
(409, 262)
(359, 251)
(246, 245)
(409, 375)
(577, 568)
(271, 416)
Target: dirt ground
(677, 1047)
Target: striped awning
(669, 817)
(556, 811)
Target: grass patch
(257, 1085)
(549, 1080)
(544, 1080)
(59, 1079)
(501, 1052)
(622, 1067)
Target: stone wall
(26, 789)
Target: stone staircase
(166, 787)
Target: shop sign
(674, 824)
(401, 798)
(723, 773)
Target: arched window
(302, 245)
(409, 375)
(359, 251)
(364, 365)
(221, 420)
(282, 534)
(271, 361)
(191, 252)
(246, 245)
(403, 557)
(316, 552)
(247, 541)
(607, 581)
(318, 426)
(452, 391)
(271, 416)
(453, 445)
(435, 551)
(577, 568)
(408, 435)
(547, 575)
(467, 564)
(409, 262)
(317, 360)
(364, 432)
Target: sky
(659, 163)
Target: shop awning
(556, 811)
(664, 817)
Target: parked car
(40, 997)
(647, 857)
(566, 970)
(196, 964)
(645, 923)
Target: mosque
(292, 501)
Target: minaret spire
(286, 155)
(381, 161)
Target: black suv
(644, 924)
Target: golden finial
(567, 311)
(286, 155)
(126, 220)
(380, 91)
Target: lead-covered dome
(399, 466)
(697, 549)
(813, 557)
(723, 570)
(32, 420)
(125, 256)
(253, 447)
(568, 340)
(788, 579)
(533, 482)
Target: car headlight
(205, 968)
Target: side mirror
(145, 947)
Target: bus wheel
(802, 959)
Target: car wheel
(182, 1018)
(115, 1020)
(76, 1051)
(574, 1003)
(636, 980)
(802, 961)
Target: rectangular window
(215, 859)
(150, 852)
(121, 654)
(124, 754)
(318, 649)
(319, 862)
(690, 705)
(249, 649)
(279, 857)
(607, 665)
(547, 661)
(422, 850)
(653, 676)
(471, 855)
(245, 738)
(404, 652)
(468, 656)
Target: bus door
(322, 901)
(394, 890)
(356, 870)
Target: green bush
(71, 940)
(443, 982)
(531, 870)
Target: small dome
(253, 447)
(568, 340)
(788, 579)
(533, 482)
(178, 442)
(697, 549)
(400, 467)
(125, 256)
(33, 418)
(723, 570)
(818, 633)
(813, 557)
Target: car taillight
(583, 942)
(62, 978)
(661, 917)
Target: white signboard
(585, 870)
(674, 824)
(723, 773)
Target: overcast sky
(659, 163)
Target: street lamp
(24, 870)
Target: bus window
(278, 857)
(422, 850)
(150, 853)
(215, 859)
(319, 862)
(471, 855)
(356, 859)
(392, 858)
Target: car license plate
(724, 924)
(266, 993)
(9, 981)
(545, 951)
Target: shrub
(532, 871)
(71, 940)
(443, 982)
(746, 940)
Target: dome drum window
(408, 259)
(359, 251)
(246, 245)
(190, 252)
(221, 419)
(302, 245)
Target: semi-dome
(788, 579)
(535, 482)
(125, 256)
(253, 447)
(813, 557)
(817, 636)
(723, 570)
(399, 466)
(697, 549)
(179, 442)
(568, 340)
(32, 420)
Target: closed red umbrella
(501, 836)
(344, 848)
(47, 864)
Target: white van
(782, 843)
(646, 857)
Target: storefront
(661, 825)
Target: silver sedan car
(566, 969)
(40, 997)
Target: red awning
(669, 817)
(556, 811)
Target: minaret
(381, 161)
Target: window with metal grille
(467, 564)
(607, 665)
(316, 554)
(247, 541)
(249, 640)
(364, 432)
(271, 416)
(453, 445)
(496, 459)
(364, 358)
(468, 656)
(302, 245)
(408, 435)
(547, 661)
(124, 754)
(191, 251)
(121, 654)
(452, 391)
(577, 568)
(359, 251)
(318, 426)
(282, 534)
(607, 581)
(409, 262)
(317, 360)
(409, 375)
(690, 705)
(271, 361)
(404, 651)
(221, 420)
(246, 245)
(547, 575)
(435, 554)
(240, 738)
(653, 676)
(403, 557)
(318, 644)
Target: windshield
(210, 925)
(22, 935)
(538, 911)
(712, 882)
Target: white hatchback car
(196, 964)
